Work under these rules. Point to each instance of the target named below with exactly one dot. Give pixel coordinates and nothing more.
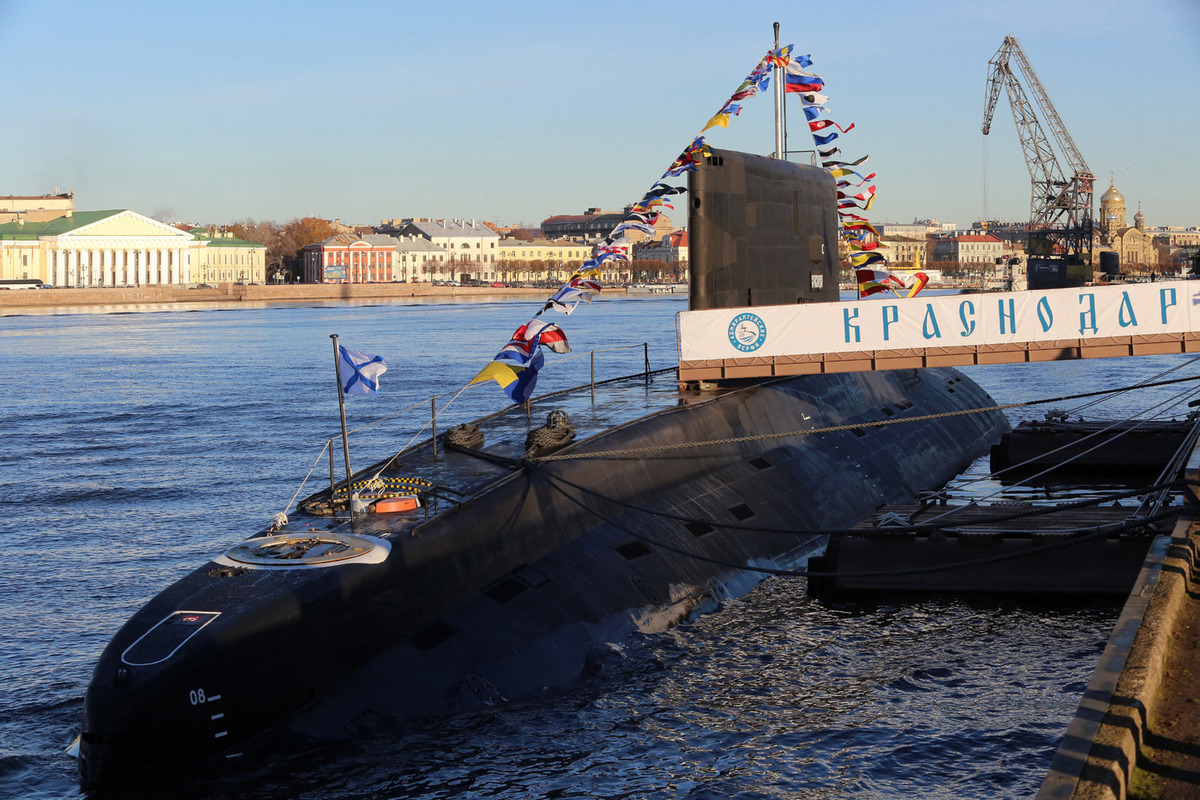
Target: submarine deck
(451, 474)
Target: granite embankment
(227, 292)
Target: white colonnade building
(99, 248)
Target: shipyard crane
(1060, 207)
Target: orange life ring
(393, 504)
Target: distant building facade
(418, 259)
(591, 225)
(36, 208)
(968, 249)
(471, 247)
(227, 259)
(541, 259)
(98, 248)
(348, 258)
(903, 251)
(594, 224)
(1175, 237)
(917, 229)
(1133, 244)
(672, 247)
(912, 231)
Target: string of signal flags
(515, 367)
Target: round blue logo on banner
(747, 332)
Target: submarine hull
(511, 590)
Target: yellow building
(36, 208)
(98, 248)
(904, 251)
(226, 259)
(540, 260)
(1133, 244)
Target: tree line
(283, 241)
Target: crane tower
(1060, 207)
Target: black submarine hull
(510, 591)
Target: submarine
(492, 561)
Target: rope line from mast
(806, 573)
(849, 426)
(924, 527)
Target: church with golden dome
(1132, 243)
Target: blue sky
(516, 111)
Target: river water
(139, 442)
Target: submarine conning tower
(762, 231)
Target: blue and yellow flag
(517, 380)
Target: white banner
(942, 321)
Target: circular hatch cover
(314, 549)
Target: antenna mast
(778, 102)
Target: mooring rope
(1094, 435)
(923, 527)
(631, 451)
(806, 573)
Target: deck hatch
(759, 462)
(742, 512)
(432, 636)
(633, 550)
(164, 639)
(505, 589)
(698, 528)
(530, 576)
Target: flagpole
(778, 102)
(337, 368)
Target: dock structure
(1004, 548)
(1137, 730)
(940, 331)
(715, 369)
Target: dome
(1139, 215)
(1112, 195)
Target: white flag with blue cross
(360, 371)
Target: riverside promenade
(1137, 731)
(227, 292)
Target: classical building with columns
(227, 259)
(98, 248)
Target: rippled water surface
(137, 445)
